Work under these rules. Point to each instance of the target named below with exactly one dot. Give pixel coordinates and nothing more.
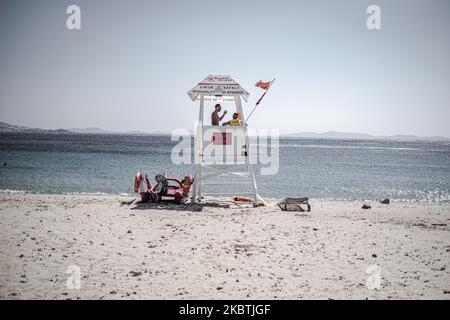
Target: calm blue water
(321, 169)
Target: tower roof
(217, 86)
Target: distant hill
(89, 130)
(10, 128)
(362, 136)
(96, 130)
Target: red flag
(263, 85)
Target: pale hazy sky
(132, 62)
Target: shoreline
(270, 200)
(145, 251)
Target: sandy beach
(220, 250)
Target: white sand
(220, 253)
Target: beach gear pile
(167, 189)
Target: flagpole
(257, 102)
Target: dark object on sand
(385, 201)
(294, 204)
(127, 202)
(366, 206)
(4, 164)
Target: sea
(325, 169)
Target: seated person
(236, 121)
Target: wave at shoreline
(445, 199)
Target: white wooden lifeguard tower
(222, 152)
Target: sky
(132, 62)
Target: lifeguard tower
(222, 153)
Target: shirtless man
(215, 118)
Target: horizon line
(293, 134)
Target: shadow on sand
(168, 205)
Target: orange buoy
(242, 199)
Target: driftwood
(294, 204)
